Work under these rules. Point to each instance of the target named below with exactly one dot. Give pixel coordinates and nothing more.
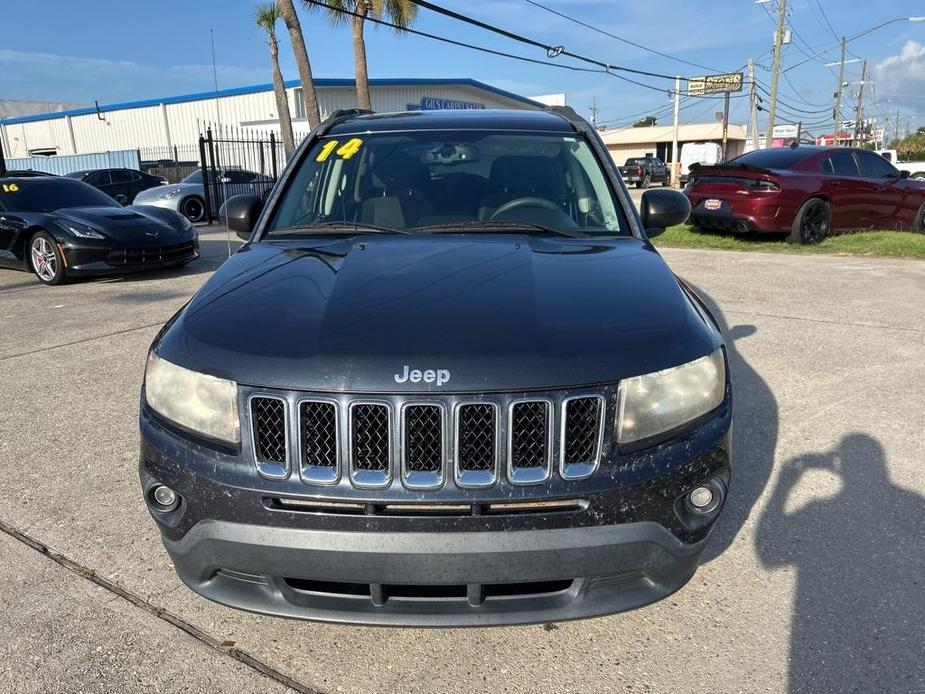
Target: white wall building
(179, 120)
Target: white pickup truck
(916, 169)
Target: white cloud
(902, 77)
(27, 75)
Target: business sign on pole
(714, 84)
(791, 130)
(433, 103)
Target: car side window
(121, 176)
(100, 178)
(874, 166)
(843, 164)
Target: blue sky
(111, 50)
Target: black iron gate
(236, 163)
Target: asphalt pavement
(813, 581)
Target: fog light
(700, 497)
(705, 499)
(165, 498)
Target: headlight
(81, 230)
(202, 403)
(166, 195)
(186, 224)
(660, 401)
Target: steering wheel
(525, 202)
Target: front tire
(46, 260)
(918, 176)
(193, 208)
(812, 221)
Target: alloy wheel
(815, 223)
(44, 260)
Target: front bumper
(84, 259)
(434, 579)
(627, 541)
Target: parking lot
(813, 581)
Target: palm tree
(400, 12)
(291, 19)
(266, 16)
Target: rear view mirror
(240, 213)
(661, 209)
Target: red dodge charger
(806, 192)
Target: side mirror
(240, 213)
(661, 209)
(904, 174)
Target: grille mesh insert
(319, 434)
(477, 445)
(370, 437)
(269, 417)
(582, 422)
(529, 434)
(423, 438)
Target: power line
(618, 38)
(551, 51)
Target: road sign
(713, 84)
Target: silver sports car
(188, 196)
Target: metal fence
(235, 162)
(173, 163)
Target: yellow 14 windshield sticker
(10, 188)
(345, 151)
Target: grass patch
(892, 244)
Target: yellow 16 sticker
(10, 188)
(345, 151)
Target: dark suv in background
(122, 185)
(447, 381)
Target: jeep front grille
(471, 443)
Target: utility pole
(775, 70)
(859, 106)
(838, 93)
(896, 130)
(593, 110)
(754, 103)
(725, 125)
(675, 159)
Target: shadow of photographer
(859, 557)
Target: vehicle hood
(498, 312)
(126, 224)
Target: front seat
(514, 177)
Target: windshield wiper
(337, 227)
(488, 225)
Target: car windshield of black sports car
(432, 181)
(50, 194)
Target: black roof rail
(341, 115)
(571, 115)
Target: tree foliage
(646, 122)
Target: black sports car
(61, 228)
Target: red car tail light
(640, 171)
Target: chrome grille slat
(529, 441)
(318, 441)
(423, 445)
(370, 444)
(270, 435)
(581, 436)
(476, 444)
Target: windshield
(421, 181)
(195, 177)
(42, 194)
